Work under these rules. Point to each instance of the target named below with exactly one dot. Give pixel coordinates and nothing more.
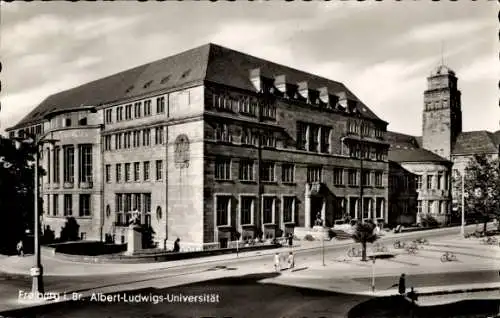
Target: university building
(443, 150)
(210, 145)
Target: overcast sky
(383, 51)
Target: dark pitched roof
(497, 136)
(398, 140)
(209, 62)
(473, 142)
(415, 155)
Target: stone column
(307, 206)
(356, 208)
(308, 131)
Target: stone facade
(216, 157)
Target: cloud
(447, 30)
(482, 68)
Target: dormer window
(165, 79)
(67, 122)
(147, 84)
(129, 89)
(83, 121)
(185, 74)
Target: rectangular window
(222, 133)
(136, 139)
(160, 105)
(440, 184)
(147, 202)
(69, 164)
(146, 170)
(430, 207)
(223, 169)
(419, 206)
(128, 112)
(338, 176)
(136, 203)
(288, 209)
(49, 167)
(429, 182)
(267, 172)
(85, 152)
(55, 204)
(137, 109)
(108, 116)
(137, 171)
(365, 178)
(84, 205)
(55, 174)
(118, 172)
(378, 179)
(108, 173)
(119, 113)
(268, 210)
(314, 174)
(126, 139)
(352, 177)
(127, 172)
(146, 137)
(325, 140)
(301, 136)
(147, 108)
(247, 204)
(287, 173)
(223, 208)
(159, 169)
(107, 142)
(159, 135)
(118, 141)
(418, 181)
(313, 138)
(68, 205)
(246, 170)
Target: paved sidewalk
(54, 266)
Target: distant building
(442, 135)
(210, 145)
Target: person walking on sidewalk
(402, 284)
(291, 260)
(290, 240)
(277, 263)
(20, 248)
(177, 246)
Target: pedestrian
(291, 260)
(177, 246)
(290, 240)
(402, 284)
(20, 248)
(277, 267)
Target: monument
(134, 242)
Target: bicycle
(421, 241)
(489, 241)
(411, 249)
(448, 257)
(379, 248)
(354, 252)
(398, 244)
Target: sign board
(35, 271)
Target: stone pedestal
(134, 242)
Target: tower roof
(442, 70)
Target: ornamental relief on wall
(182, 154)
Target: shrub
(70, 230)
(309, 238)
(429, 221)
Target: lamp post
(462, 227)
(37, 270)
(373, 274)
(323, 249)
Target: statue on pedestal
(319, 221)
(135, 220)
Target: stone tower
(442, 116)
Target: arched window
(158, 213)
(108, 211)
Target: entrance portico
(315, 204)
